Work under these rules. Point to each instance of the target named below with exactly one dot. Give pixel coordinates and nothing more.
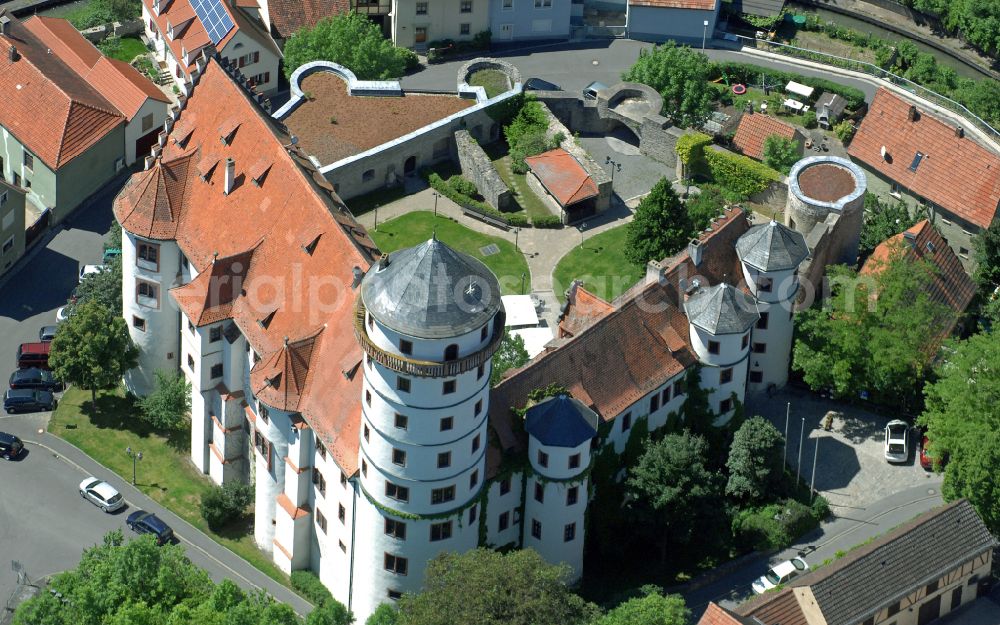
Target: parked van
(33, 355)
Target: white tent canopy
(520, 311)
(535, 339)
(799, 89)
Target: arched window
(451, 352)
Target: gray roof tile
(721, 309)
(772, 247)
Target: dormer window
(266, 321)
(156, 7)
(228, 130)
(170, 31)
(310, 247)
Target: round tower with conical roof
(429, 320)
(770, 255)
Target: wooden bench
(489, 219)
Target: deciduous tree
(490, 588)
(93, 349)
(755, 465)
(660, 228)
(169, 403)
(781, 153)
(104, 287)
(651, 609)
(883, 220)
(705, 206)
(352, 40)
(987, 276)
(384, 614)
(510, 355)
(680, 75)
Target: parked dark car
(27, 400)
(10, 446)
(537, 84)
(33, 355)
(926, 462)
(142, 522)
(47, 333)
(35, 379)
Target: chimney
(383, 262)
(959, 132)
(910, 238)
(4, 24)
(12, 54)
(694, 251)
(149, 161)
(911, 114)
(359, 274)
(230, 175)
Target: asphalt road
(574, 65)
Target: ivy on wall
(691, 153)
(740, 175)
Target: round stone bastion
(823, 186)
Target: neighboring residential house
(61, 139)
(951, 286)
(754, 129)
(12, 225)
(416, 23)
(530, 19)
(689, 22)
(916, 573)
(286, 17)
(181, 29)
(143, 104)
(829, 109)
(560, 178)
(758, 8)
(912, 155)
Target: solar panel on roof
(214, 18)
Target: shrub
(547, 221)
(224, 504)
(691, 152)
(809, 119)
(526, 135)
(844, 131)
(448, 189)
(776, 526)
(353, 41)
(308, 585)
(740, 175)
(463, 185)
(167, 407)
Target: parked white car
(90, 270)
(897, 445)
(780, 574)
(101, 494)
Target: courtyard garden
(122, 48)
(506, 262)
(493, 81)
(601, 264)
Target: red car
(926, 461)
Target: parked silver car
(101, 494)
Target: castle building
(352, 388)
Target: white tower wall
(773, 333)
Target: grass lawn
(494, 81)
(416, 227)
(773, 104)
(601, 264)
(129, 48)
(164, 474)
(527, 199)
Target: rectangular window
(536, 529)
(574, 461)
(444, 459)
(401, 421)
(399, 493)
(539, 492)
(216, 371)
(139, 323)
(465, 6)
(447, 423)
(745, 341)
(963, 252)
(395, 564)
(464, 29)
(394, 595)
(473, 513)
(29, 160)
(147, 254)
(678, 388)
(484, 333)
(479, 407)
(321, 521)
(406, 347)
(725, 406)
(399, 457)
(726, 376)
(368, 397)
(894, 609)
(147, 293)
(474, 479)
(443, 495)
(665, 396)
(3, 196)
(572, 495)
(27, 183)
(756, 377)
(343, 479)
(569, 532)
(396, 529)
(762, 322)
(543, 4)
(341, 512)
(508, 5)
(759, 348)
(191, 363)
(147, 122)
(320, 450)
(366, 433)
(654, 402)
(448, 387)
(932, 587)
(364, 467)
(440, 531)
(263, 446)
(320, 482)
(505, 485)
(403, 384)
(543, 458)
(627, 422)
(475, 443)
(342, 546)
(713, 347)
(421, 8)
(263, 412)
(368, 176)
(764, 284)
(7, 245)
(215, 334)
(480, 371)
(503, 522)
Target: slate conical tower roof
(721, 309)
(431, 291)
(772, 247)
(561, 421)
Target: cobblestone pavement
(851, 470)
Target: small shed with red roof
(564, 180)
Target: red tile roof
(74, 117)
(627, 353)
(956, 173)
(288, 16)
(700, 5)
(755, 128)
(951, 285)
(715, 615)
(780, 607)
(587, 308)
(562, 176)
(116, 80)
(256, 235)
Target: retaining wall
(478, 168)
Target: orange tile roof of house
(716, 615)
(954, 172)
(700, 5)
(755, 128)
(951, 285)
(587, 308)
(75, 115)
(116, 80)
(289, 16)
(563, 176)
(289, 230)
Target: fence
(785, 49)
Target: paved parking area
(851, 470)
(638, 172)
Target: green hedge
(308, 585)
(751, 74)
(458, 189)
(547, 221)
(691, 152)
(740, 175)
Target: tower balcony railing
(426, 368)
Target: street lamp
(517, 231)
(376, 218)
(704, 35)
(135, 456)
(436, 196)
(614, 165)
(522, 283)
